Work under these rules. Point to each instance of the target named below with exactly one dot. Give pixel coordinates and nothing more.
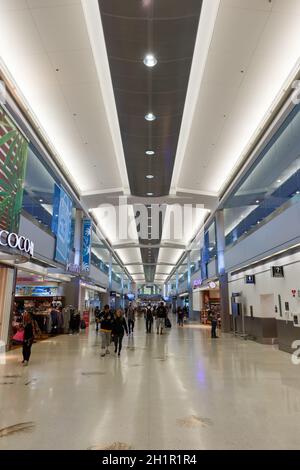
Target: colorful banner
(86, 244)
(13, 158)
(36, 291)
(62, 228)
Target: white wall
(44, 243)
(98, 276)
(266, 284)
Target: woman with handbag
(28, 338)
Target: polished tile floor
(181, 390)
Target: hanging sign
(86, 244)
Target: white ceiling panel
(35, 40)
(254, 49)
(61, 28)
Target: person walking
(105, 330)
(28, 338)
(180, 316)
(161, 315)
(97, 318)
(149, 319)
(119, 327)
(130, 319)
(214, 323)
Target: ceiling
(77, 65)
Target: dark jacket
(28, 333)
(161, 312)
(119, 325)
(149, 314)
(106, 321)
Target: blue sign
(86, 244)
(63, 226)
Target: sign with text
(277, 271)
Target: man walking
(161, 315)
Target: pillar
(223, 278)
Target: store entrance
(210, 301)
(42, 298)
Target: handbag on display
(19, 336)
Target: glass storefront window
(38, 196)
(100, 255)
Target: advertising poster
(13, 158)
(86, 244)
(63, 227)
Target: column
(110, 276)
(177, 288)
(223, 278)
(189, 286)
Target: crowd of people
(113, 325)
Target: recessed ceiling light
(257, 202)
(150, 60)
(149, 177)
(41, 200)
(150, 117)
(149, 194)
(278, 181)
(297, 192)
(150, 152)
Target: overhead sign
(16, 242)
(61, 224)
(86, 244)
(277, 271)
(250, 279)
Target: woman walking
(28, 338)
(119, 326)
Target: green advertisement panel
(13, 157)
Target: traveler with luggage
(161, 315)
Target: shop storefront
(90, 297)
(207, 299)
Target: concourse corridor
(181, 390)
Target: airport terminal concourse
(149, 228)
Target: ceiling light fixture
(149, 194)
(149, 177)
(150, 117)
(150, 152)
(278, 181)
(257, 202)
(150, 60)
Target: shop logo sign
(16, 242)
